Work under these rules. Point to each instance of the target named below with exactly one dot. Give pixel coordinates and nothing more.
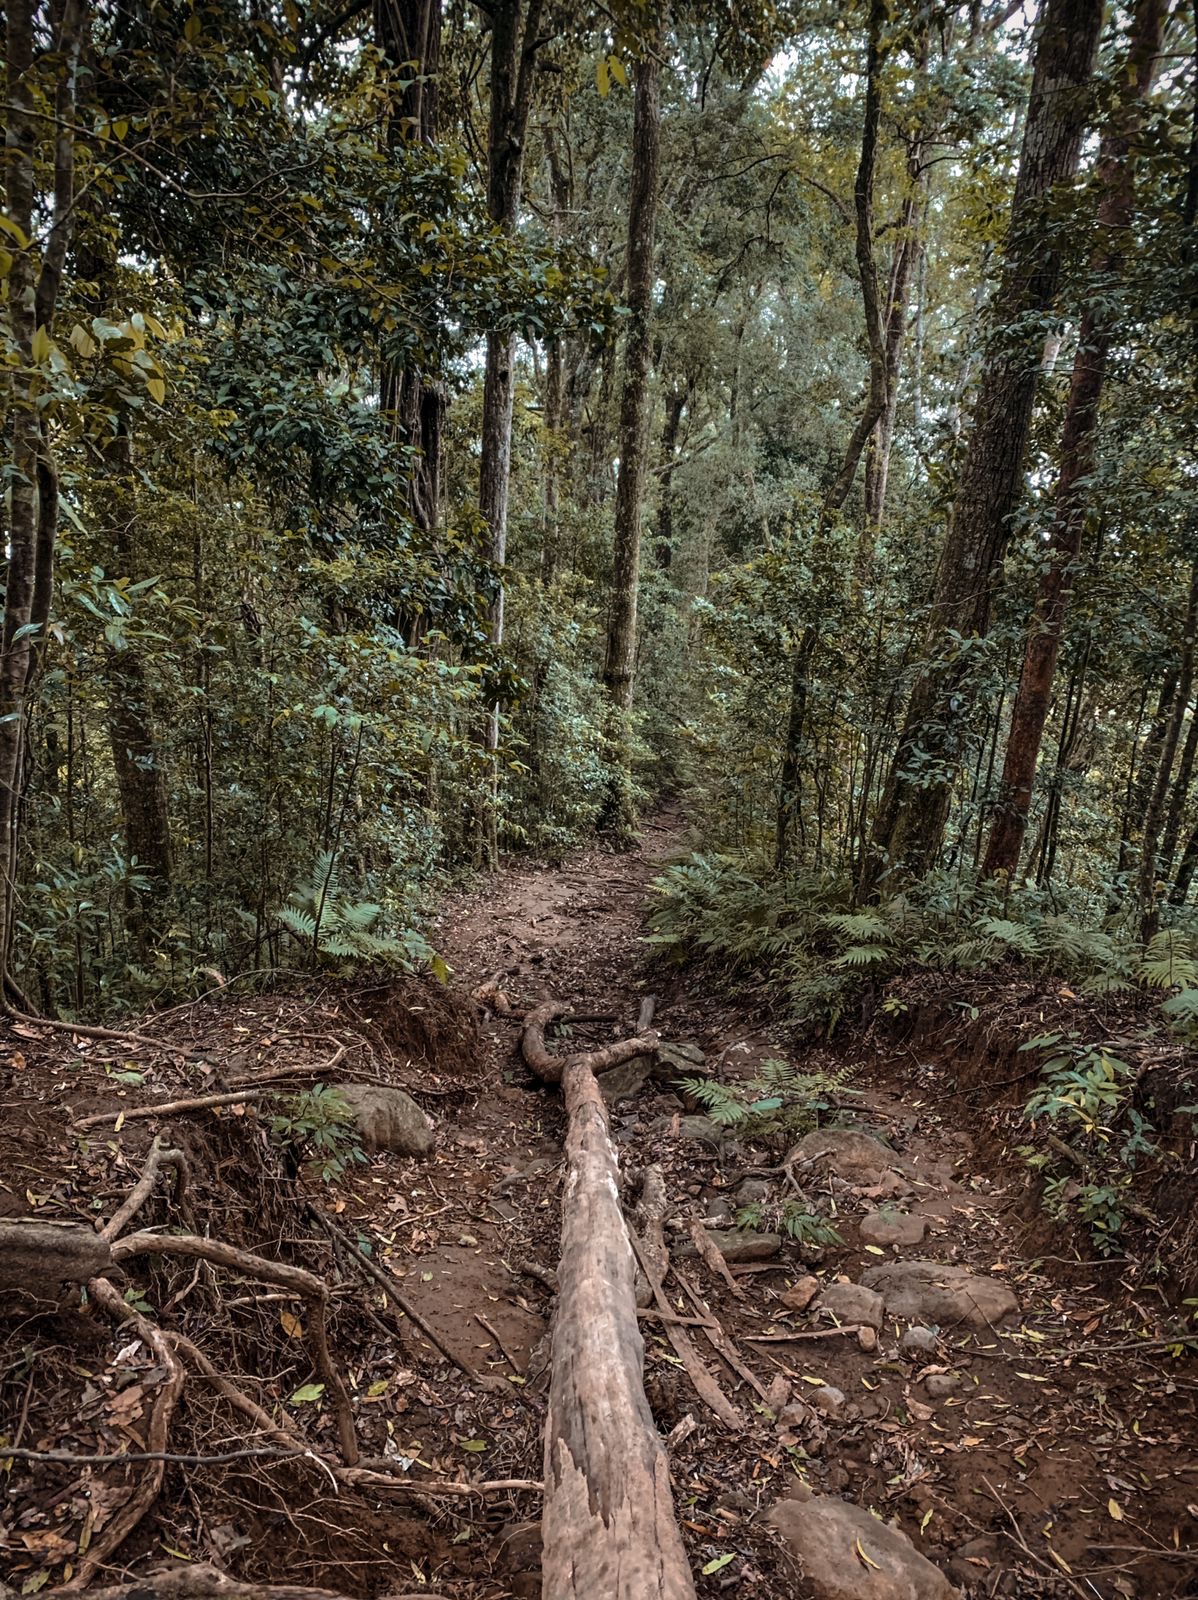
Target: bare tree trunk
(408, 33)
(910, 825)
(514, 26)
(620, 666)
(32, 296)
(136, 756)
(608, 1527)
(1115, 209)
(867, 266)
(1146, 896)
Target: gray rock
(387, 1119)
(753, 1191)
(845, 1151)
(738, 1244)
(827, 1399)
(700, 1128)
(919, 1342)
(933, 1291)
(850, 1302)
(679, 1058)
(827, 1534)
(626, 1080)
(718, 1211)
(892, 1227)
(942, 1384)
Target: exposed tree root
(549, 1067)
(204, 1582)
(144, 1188)
(121, 1525)
(305, 1285)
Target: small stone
(829, 1536)
(941, 1384)
(778, 1393)
(827, 1399)
(800, 1295)
(850, 1302)
(892, 1227)
(702, 1129)
(718, 1211)
(867, 1338)
(739, 1244)
(626, 1080)
(919, 1341)
(938, 1292)
(846, 1151)
(794, 1415)
(753, 1191)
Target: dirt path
(1035, 1457)
(1030, 1454)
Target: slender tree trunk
(619, 670)
(867, 265)
(910, 825)
(1146, 896)
(514, 26)
(32, 297)
(1179, 793)
(136, 755)
(408, 33)
(676, 405)
(838, 489)
(1115, 209)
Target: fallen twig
(705, 1386)
(807, 1333)
(386, 1282)
(712, 1258)
(199, 1581)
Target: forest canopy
(441, 429)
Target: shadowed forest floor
(1043, 1457)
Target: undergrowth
(823, 954)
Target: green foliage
(1085, 1098)
(776, 1102)
(326, 922)
(794, 1218)
(318, 1125)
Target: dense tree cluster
(434, 429)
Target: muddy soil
(1051, 1454)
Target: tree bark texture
(608, 1526)
(1116, 185)
(408, 32)
(514, 27)
(620, 665)
(32, 296)
(935, 736)
(1154, 817)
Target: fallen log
(608, 1526)
(40, 1255)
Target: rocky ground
(931, 1398)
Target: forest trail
(1036, 1453)
(1038, 1457)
